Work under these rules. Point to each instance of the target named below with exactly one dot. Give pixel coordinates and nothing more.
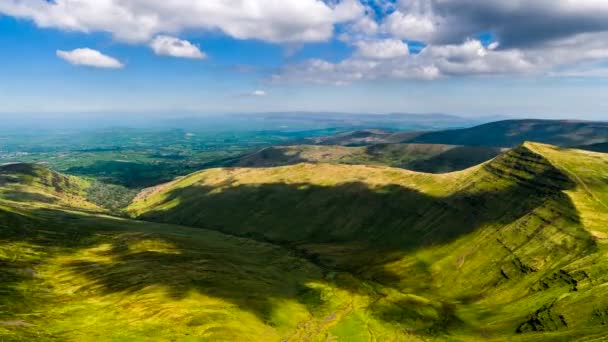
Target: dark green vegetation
(432, 158)
(513, 249)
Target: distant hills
(434, 152)
(600, 147)
(507, 133)
(511, 133)
(393, 121)
(433, 158)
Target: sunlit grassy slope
(513, 249)
(82, 276)
(417, 157)
(27, 183)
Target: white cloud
(170, 46)
(530, 36)
(548, 37)
(139, 21)
(517, 23)
(382, 49)
(89, 57)
(410, 26)
(469, 58)
(258, 93)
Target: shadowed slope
(66, 275)
(506, 236)
(510, 250)
(378, 206)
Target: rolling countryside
(510, 249)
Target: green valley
(304, 171)
(512, 249)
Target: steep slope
(431, 158)
(72, 276)
(511, 133)
(34, 183)
(507, 250)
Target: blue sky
(351, 56)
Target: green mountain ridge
(513, 249)
(505, 134)
(510, 133)
(433, 158)
(514, 237)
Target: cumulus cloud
(516, 23)
(410, 26)
(139, 21)
(382, 49)
(170, 46)
(521, 36)
(529, 37)
(258, 93)
(89, 57)
(468, 58)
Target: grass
(73, 275)
(510, 250)
(416, 157)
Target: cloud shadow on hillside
(352, 224)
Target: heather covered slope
(510, 249)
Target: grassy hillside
(69, 275)
(513, 249)
(417, 157)
(26, 183)
(361, 138)
(511, 133)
